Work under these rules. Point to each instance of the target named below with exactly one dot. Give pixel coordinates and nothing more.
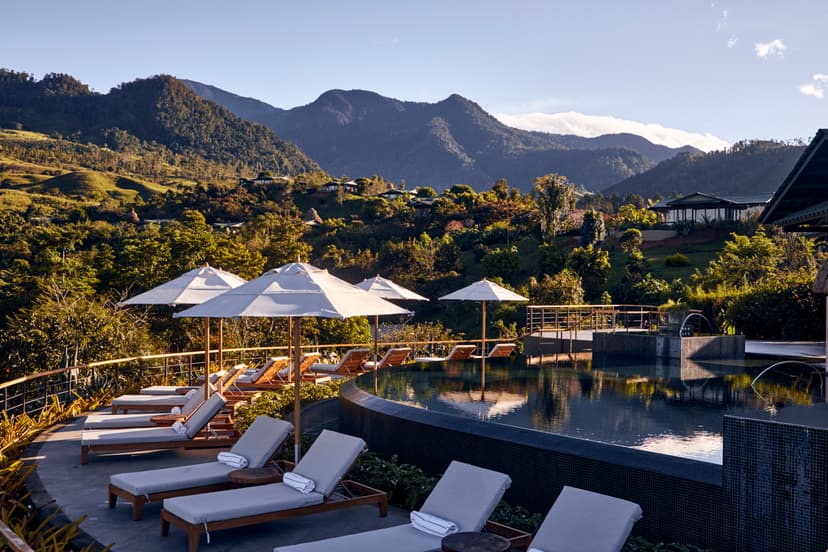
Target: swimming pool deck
(82, 491)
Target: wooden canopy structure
(700, 207)
(801, 202)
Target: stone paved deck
(82, 490)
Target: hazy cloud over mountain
(571, 122)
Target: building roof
(800, 202)
(703, 200)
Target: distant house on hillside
(349, 187)
(699, 208)
(801, 202)
(231, 227)
(266, 179)
(393, 195)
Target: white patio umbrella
(294, 291)
(483, 405)
(483, 291)
(192, 288)
(382, 287)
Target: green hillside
(92, 185)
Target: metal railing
(573, 318)
(31, 393)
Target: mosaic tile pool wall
(682, 499)
(776, 482)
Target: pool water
(669, 408)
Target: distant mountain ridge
(358, 132)
(160, 109)
(746, 168)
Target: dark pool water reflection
(669, 408)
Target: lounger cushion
(111, 421)
(466, 495)
(171, 479)
(204, 414)
(329, 459)
(260, 441)
(130, 436)
(161, 401)
(252, 376)
(235, 503)
(402, 538)
(161, 390)
(583, 520)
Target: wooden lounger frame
(351, 494)
(199, 441)
(273, 381)
(519, 539)
(138, 501)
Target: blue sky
(730, 70)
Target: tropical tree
(555, 197)
(593, 266)
(592, 228)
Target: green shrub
(779, 309)
(279, 403)
(677, 259)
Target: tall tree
(593, 230)
(555, 197)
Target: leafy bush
(16, 432)
(779, 309)
(677, 259)
(279, 403)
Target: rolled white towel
(175, 410)
(432, 524)
(179, 428)
(298, 482)
(232, 459)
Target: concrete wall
(647, 346)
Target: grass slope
(93, 185)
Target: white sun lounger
(156, 438)
(258, 445)
(466, 495)
(179, 389)
(327, 461)
(583, 520)
(152, 403)
(119, 421)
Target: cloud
(774, 48)
(731, 42)
(722, 22)
(817, 87)
(571, 122)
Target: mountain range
(158, 110)
(357, 132)
(746, 168)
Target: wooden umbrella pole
(297, 396)
(483, 352)
(376, 337)
(221, 344)
(206, 357)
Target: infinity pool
(672, 409)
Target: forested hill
(358, 132)
(744, 169)
(159, 109)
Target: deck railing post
(166, 367)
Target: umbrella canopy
(192, 288)
(382, 287)
(295, 290)
(484, 291)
